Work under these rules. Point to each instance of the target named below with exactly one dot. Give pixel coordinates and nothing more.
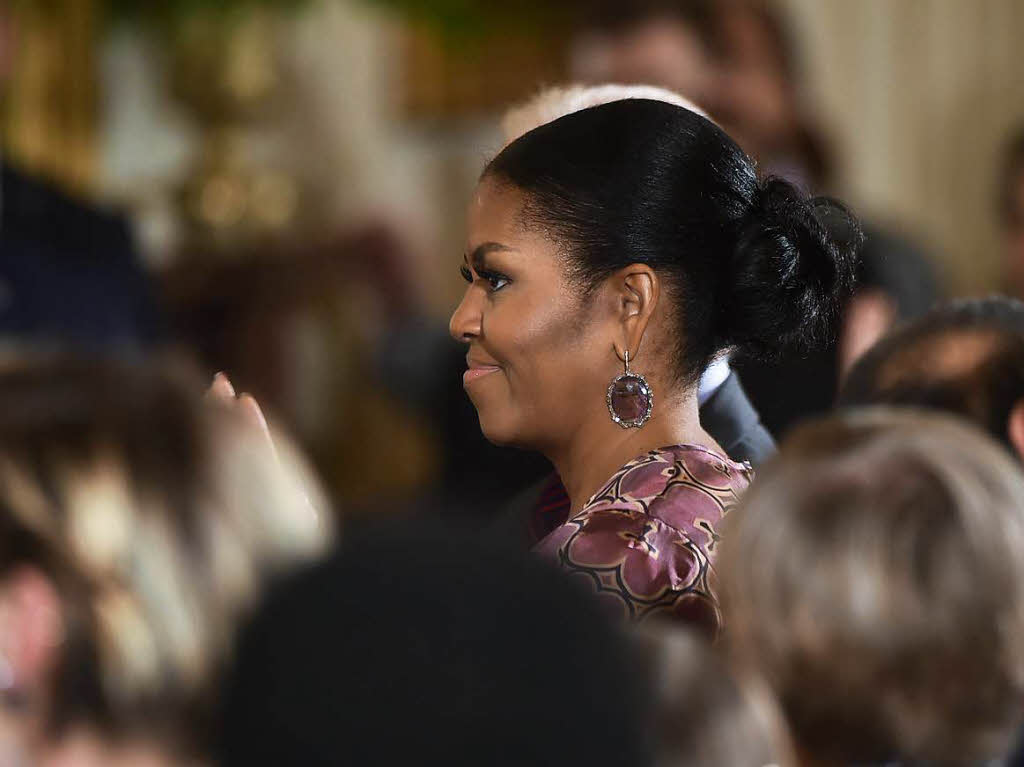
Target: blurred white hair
(551, 103)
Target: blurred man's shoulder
(36, 210)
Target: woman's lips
(477, 372)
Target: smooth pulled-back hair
(750, 262)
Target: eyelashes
(495, 280)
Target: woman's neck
(600, 447)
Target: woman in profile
(612, 253)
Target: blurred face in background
(753, 98)
(733, 64)
(538, 360)
(662, 50)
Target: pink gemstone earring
(630, 399)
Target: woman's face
(539, 359)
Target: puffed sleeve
(638, 565)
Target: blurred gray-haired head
(873, 577)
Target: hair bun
(794, 266)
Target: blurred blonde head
(157, 518)
(873, 577)
(552, 103)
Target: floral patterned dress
(646, 541)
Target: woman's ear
(31, 628)
(636, 289)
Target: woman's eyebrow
(476, 258)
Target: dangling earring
(630, 399)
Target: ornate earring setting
(630, 399)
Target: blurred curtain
(920, 96)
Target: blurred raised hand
(222, 392)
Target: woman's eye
(496, 282)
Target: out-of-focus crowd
(179, 587)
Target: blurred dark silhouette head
(414, 646)
(965, 357)
(873, 578)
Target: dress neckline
(674, 449)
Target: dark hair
(751, 262)
(422, 645)
(982, 381)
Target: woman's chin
(497, 431)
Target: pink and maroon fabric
(646, 541)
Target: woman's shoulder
(674, 484)
(637, 564)
(646, 540)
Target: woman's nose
(465, 323)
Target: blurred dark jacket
(732, 420)
(69, 273)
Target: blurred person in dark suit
(873, 580)
(965, 357)
(69, 272)
(137, 526)
(737, 59)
